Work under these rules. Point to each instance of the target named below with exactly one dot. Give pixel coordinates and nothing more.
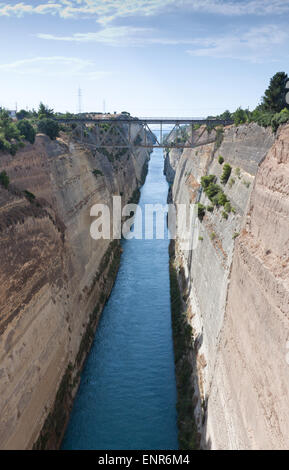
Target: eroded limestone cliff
(235, 289)
(54, 277)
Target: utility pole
(79, 100)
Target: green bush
(22, 114)
(225, 215)
(4, 179)
(280, 118)
(227, 207)
(221, 159)
(240, 116)
(30, 196)
(201, 211)
(97, 172)
(213, 190)
(210, 208)
(27, 130)
(207, 180)
(220, 199)
(10, 136)
(226, 173)
(49, 127)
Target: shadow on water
(127, 395)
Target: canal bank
(127, 395)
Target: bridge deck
(175, 121)
(106, 138)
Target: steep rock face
(54, 278)
(238, 320)
(249, 393)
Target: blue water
(127, 395)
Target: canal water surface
(127, 395)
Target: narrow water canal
(127, 395)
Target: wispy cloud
(54, 66)
(254, 45)
(105, 11)
(261, 44)
(120, 36)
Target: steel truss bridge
(123, 133)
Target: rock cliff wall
(55, 278)
(235, 289)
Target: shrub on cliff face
(201, 211)
(49, 127)
(221, 159)
(220, 199)
(27, 130)
(207, 180)
(30, 196)
(226, 173)
(97, 172)
(227, 207)
(4, 179)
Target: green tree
(240, 116)
(49, 127)
(27, 130)
(44, 112)
(226, 115)
(22, 114)
(274, 99)
(10, 136)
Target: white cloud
(105, 11)
(116, 36)
(119, 36)
(255, 45)
(54, 66)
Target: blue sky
(149, 57)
